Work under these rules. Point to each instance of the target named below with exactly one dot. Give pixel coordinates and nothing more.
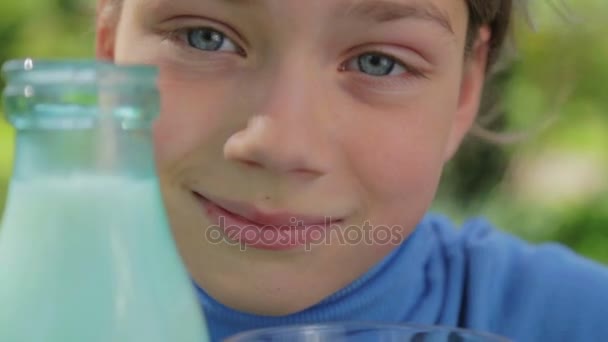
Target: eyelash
(181, 36)
(409, 70)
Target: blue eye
(376, 64)
(208, 39)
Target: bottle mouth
(72, 94)
(79, 72)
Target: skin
(289, 121)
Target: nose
(284, 131)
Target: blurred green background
(545, 179)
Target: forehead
(445, 13)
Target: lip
(278, 230)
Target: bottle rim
(76, 71)
(79, 94)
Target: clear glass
(86, 253)
(364, 332)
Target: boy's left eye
(375, 64)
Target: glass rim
(74, 70)
(341, 326)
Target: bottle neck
(101, 150)
(81, 117)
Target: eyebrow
(386, 10)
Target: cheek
(191, 116)
(398, 156)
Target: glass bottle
(86, 253)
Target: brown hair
(498, 15)
(494, 13)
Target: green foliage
(559, 76)
(584, 228)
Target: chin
(268, 298)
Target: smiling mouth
(255, 216)
(245, 224)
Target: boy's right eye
(208, 39)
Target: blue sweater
(475, 277)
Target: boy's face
(318, 108)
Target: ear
(471, 90)
(106, 22)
